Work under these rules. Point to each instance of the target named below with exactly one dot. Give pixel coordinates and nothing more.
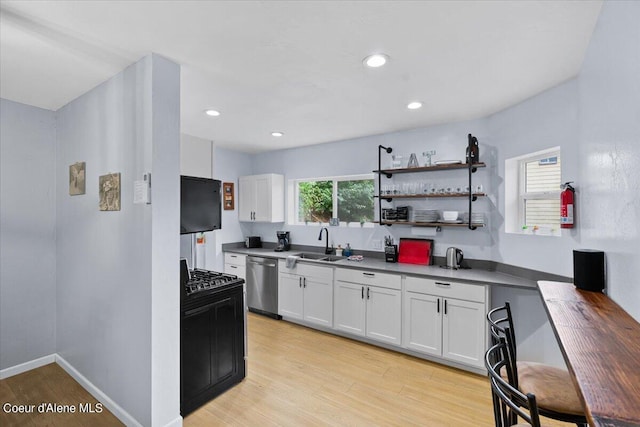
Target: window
(350, 198)
(532, 193)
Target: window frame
(293, 220)
(523, 195)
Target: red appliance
(567, 204)
(415, 251)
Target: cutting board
(415, 251)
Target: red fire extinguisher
(567, 204)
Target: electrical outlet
(377, 244)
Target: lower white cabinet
(368, 304)
(446, 319)
(306, 293)
(235, 264)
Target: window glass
(541, 191)
(350, 198)
(355, 200)
(315, 201)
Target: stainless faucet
(327, 250)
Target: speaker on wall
(588, 270)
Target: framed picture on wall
(77, 184)
(109, 190)
(227, 195)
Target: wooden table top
(600, 343)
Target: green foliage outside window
(355, 201)
(316, 201)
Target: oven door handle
(197, 310)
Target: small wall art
(77, 179)
(227, 196)
(109, 189)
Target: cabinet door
(246, 198)
(349, 307)
(290, 295)
(318, 301)
(384, 314)
(463, 332)
(262, 198)
(423, 323)
(197, 374)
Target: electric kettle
(454, 257)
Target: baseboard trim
(27, 366)
(112, 406)
(175, 423)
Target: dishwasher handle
(263, 263)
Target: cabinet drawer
(373, 278)
(446, 288)
(307, 270)
(237, 259)
(236, 270)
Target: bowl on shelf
(449, 215)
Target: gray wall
(117, 299)
(27, 233)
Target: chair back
(508, 402)
(501, 328)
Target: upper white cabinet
(261, 198)
(446, 319)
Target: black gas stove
(212, 335)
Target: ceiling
(296, 67)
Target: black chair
(508, 402)
(556, 396)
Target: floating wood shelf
(431, 168)
(424, 196)
(431, 224)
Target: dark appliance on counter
(212, 335)
(284, 242)
(391, 253)
(200, 204)
(415, 251)
(589, 270)
(252, 242)
(262, 286)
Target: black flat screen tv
(200, 204)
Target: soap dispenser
(347, 250)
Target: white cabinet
(305, 292)
(235, 264)
(261, 198)
(446, 319)
(368, 304)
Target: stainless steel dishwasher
(262, 285)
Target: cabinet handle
(368, 290)
(442, 284)
(445, 306)
(438, 309)
(369, 274)
(304, 282)
(300, 281)
(233, 266)
(362, 289)
(233, 256)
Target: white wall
(360, 156)
(117, 272)
(27, 233)
(609, 149)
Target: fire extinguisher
(567, 204)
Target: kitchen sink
(318, 257)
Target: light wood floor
(297, 377)
(301, 377)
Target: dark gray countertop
(474, 275)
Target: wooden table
(601, 344)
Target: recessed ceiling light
(414, 105)
(212, 113)
(277, 133)
(375, 60)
